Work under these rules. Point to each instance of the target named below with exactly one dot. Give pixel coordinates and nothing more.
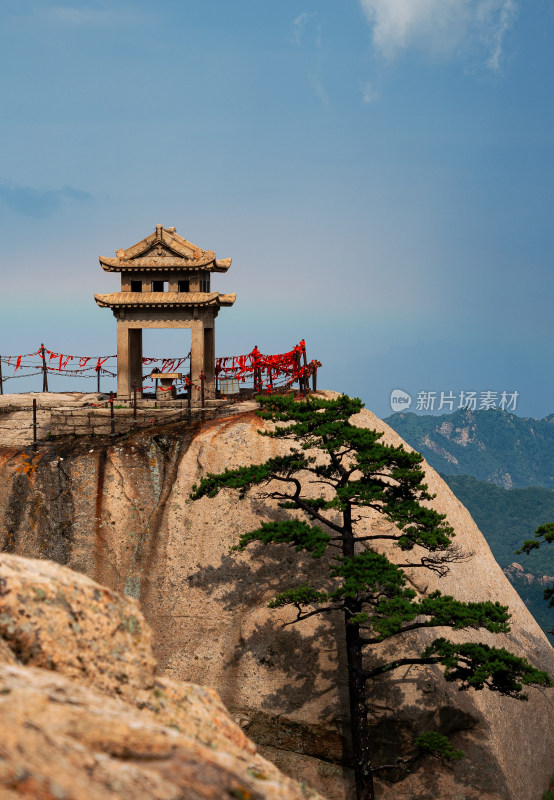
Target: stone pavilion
(165, 283)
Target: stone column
(197, 359)
(123, 361)
(209, 360)
(135, 359)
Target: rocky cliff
(121, 515)
(83, 714)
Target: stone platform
(77, 414)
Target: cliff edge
(121, 515)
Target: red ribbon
(100, 362)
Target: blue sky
(381, 172)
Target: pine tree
(543, 535)
(357, 472)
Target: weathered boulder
(121, 514)
(76, 728)
(54, 618)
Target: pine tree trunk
(358, 716)
(359, 727)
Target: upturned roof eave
(156, 264)
(163, 299)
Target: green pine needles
(543, 535)
(352, 472)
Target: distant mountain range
(506, 518)
(492, 445)
(501, 467)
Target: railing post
(314, 380)
(297, 359)
(257, 371)
(305, 380)
(189, 399)
(112, 418)
(44, 369)
(34, 420)
(98, 379)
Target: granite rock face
(57, 619)
(121, 515)
(83, 714)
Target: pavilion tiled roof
(164, 249)
(159, 263)
(163, 299)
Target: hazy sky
(381, 172)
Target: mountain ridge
(491, 445)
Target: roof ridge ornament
(164, 249)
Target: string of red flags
(268, 372)
(84, 366)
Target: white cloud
(443, 27)
(369, 94)
(318, 88)
(506, 20)
(298, 26)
